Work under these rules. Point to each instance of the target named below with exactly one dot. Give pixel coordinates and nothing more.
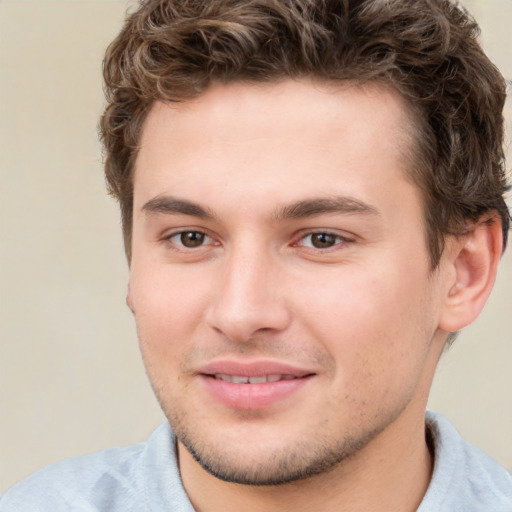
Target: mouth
(257, 379)
(252, 386)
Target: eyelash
(179, 235)
(337, 240)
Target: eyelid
(169, 235)
(342, 239)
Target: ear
(472, 263)
(129, 298)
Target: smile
(261, 379)
(252, 385)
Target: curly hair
(173, 50)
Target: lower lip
(252, 396)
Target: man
(312, 204)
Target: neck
(391, 473)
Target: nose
(249, 299)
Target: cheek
(356, 300)
(167, 307)
(374, 322)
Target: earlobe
(129, 299)
(473, 262)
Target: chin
(259, 464)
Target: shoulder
(84, 480)
(110, 480)
(464, 478)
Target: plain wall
(71, 379)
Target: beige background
(71, 380)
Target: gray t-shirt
(145, 478)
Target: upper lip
(252, 368)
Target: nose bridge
(249, 298)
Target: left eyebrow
(321, 206)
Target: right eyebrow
(174, 206)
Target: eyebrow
(321, 206)
(298, 210)
(172, 205)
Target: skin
(307, 248)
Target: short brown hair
(173, 50)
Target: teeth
(239, 380)
(221, 376)
(261, 379)
(258, 380)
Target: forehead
(268, 138)
(296, 103)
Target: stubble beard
(314, 451)
(317, 454)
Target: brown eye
(192, 239)
(323, 240)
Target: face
(280, 279)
